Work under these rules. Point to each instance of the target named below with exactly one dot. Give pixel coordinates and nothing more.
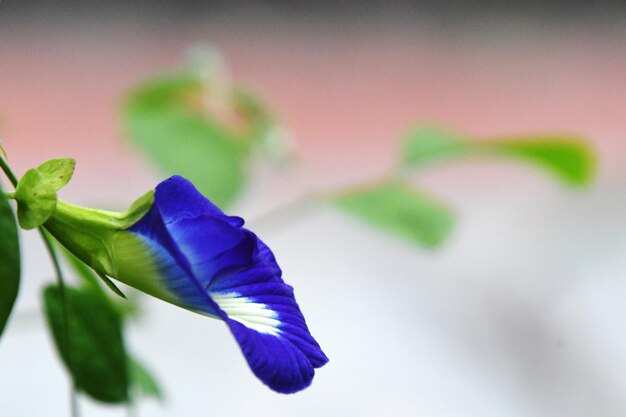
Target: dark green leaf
(94, 354)
(568, 157)
(9, 261)
(164, 118)
(36, 192)
(143, 381)
(398, 208)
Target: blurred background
(519, 313)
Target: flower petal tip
(272, 334)
(276, 361)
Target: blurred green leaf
(568, 158)
(95, 354)
(428, 143)
(397, 208)
(9, 261)
(143, 381)
(164, 118)
(36, 192)
(260, 123)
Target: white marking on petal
(255, 316)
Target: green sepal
(36, 193)
(90, 234)
(111, 285)
(128, 307)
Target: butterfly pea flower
(176, 245)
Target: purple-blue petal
(262, 284)
(274, 360)
(174, 268)
(177, 199)
(224, 270)
(211, 246)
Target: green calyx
(36, 192)
(90, 234)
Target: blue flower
(178, 246)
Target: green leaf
(95, 354)
(397, 208)
(9, 261)
(36, 192)
(164, 119)
(142, 380)
(425, 144)
(260, 122)
(569, 158)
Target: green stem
(61, 283)
(7, 171)
(66, 323)
(286, 215)
(66, 328)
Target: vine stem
(66, 322)
(285, 215)
(61, 283)
(7, 171)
